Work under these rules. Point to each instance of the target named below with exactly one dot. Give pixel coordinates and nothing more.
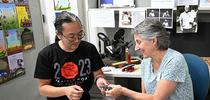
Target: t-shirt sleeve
(96, 59)
(43, 68)
(175, 70)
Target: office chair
(199, 73)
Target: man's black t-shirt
(69, 68)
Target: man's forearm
(51, 91)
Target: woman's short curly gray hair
(151, 28)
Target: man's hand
(73, 92)
(100, 82)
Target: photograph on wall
(164, 15)
(186, 21)
(167, 23)
(6, 1)
(154, 12)
(21, 2)
(4, 70)
(13, 41)
(9, 18)
(27, 38)
(62, 4)
(23, 14)
(130, 18)
(126, 17)
(3, 51)
(16, 65)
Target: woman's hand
(100, 82)
(73, 92)
(115, 92)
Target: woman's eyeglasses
(71, 36)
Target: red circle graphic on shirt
(69, 70)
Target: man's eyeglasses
(71, 36)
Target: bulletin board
(16, 36)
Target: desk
(114, 75)
(130, 80)
(117, 72)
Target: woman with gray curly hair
(164, 71)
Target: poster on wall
(4, 70)
(164, 15)
(9, 17)
(3, 51)
(66, 5)
(186, 21)
(13, 41)
(24, 19)
(27, 38)
(21, 2)
(16, 35)
(16, 65)
(62, 4)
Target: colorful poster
(24, 19)
(62, 5)
(15, 36)
(21, 2)
(3, 52)
(9, 17)
(4, 70)
(27, 38)
(13, 41)
(16, 65)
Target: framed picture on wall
(187, 19)
(164, 15)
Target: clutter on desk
(128, 68)
(120, 64)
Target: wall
(25, 87)
(196, 43)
